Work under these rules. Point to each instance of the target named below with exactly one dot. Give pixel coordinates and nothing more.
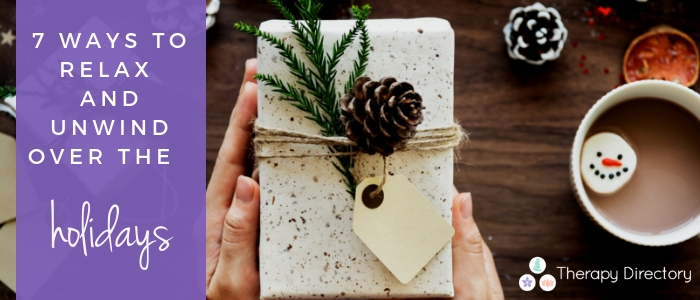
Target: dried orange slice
(662, 53)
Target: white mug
(673, 92)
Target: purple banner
(110, 149)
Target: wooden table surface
(522, 120)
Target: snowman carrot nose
(609, 162)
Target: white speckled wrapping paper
(307, 247)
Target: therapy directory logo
(547, 282)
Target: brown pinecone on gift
(381, 116)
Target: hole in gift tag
(368, 200)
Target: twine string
(381, 185)
(431, 139)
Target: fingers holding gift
(469, 264)
(231, 163)
(236, 272)
(256, 174)
(492, 273)
(232, 159)
(251, 68)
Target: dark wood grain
(522, 120)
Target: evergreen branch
(333, 59)
(7, 91)
(340, 46)
(301, 32)
(298, 99)
(296, 66)
(360, 65)
(346, 164)
(361, 13)
(319, 80)
(326, 93)
(309, 10)
(283, 10)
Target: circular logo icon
(547, 282)
(537, 265)
(527, 282)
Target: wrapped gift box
(307, 247)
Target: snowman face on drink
(607, 162)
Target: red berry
(585, 71)
(606, 71)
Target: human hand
(473, 268)
(233, 206)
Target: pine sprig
(298, 69)
(319, 79)
(7, 91)
(283, 10)
(325, 92)
(360, 65)
(298, 99)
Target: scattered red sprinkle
(606, 71)
(583, 57)
(574, 44)
(585, 71)
(588, 13)
(605, 11)
(616, 86)
(591, 21)
(580, 65)
(601, 36)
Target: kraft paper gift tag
(8, 254)
(400, 227)
(7, 178)
(308, 249)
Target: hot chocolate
(664, 193)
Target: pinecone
(535, 34)
(381, 116)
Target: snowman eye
(599, 154)
(619, 156)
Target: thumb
(469, 268)
(237, 271)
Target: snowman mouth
(609, 163)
